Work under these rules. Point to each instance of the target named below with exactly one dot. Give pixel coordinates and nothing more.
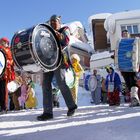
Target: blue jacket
(117, 80)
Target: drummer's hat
(55, 17)
(107, 68)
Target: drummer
(130, 79)
(96, 93)
(8, 74)
(63, 35)
(125, 34)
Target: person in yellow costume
(75, 60)
(31, 101)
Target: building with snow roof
(79, 43)
(116, 23)
(106, 31)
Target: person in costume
(75, 60)
(8, 76)
(130, 79)
(17, 93)
(96, 93)
(113, 86)
(63, 35)
(31, 101)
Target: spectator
(113, 86)
(31, 100)
(96, 93)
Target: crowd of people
(107, 90)
(23, 96)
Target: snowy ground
(90, 122)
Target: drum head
(2, 62)
(70, 77)
(12, 86)
(128, 55)
(46, 47)
(92, 83)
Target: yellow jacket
(77, 69)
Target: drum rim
(86, 82)
(57, 63)
(4, 54)
(12, 50)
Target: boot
(71, 111)
(134, 97)
(45, 117)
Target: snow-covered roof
(74, 25)
(101, 55)
(81, 45)
(99, 16)
(111, 20)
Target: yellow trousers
(74, 90)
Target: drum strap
(66, 58)
(64, 43)
(65, 50)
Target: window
(123, 28)
(129, 28)
(135, 29)
(132, 29)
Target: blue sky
(20, 14)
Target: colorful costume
(23, 96)
(17, 93)
(31, 101)
(78, 72)
(8, 76)
(113, 86)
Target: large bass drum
(2, 62)
(36, 49)
(127, 55)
